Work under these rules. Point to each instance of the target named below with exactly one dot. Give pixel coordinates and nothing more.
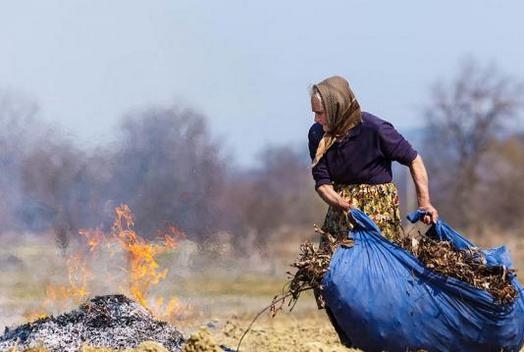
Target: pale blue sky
(247, 65)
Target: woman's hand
(431, 214)
(332, 198)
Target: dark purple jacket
(364, 155)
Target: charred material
(112, 321)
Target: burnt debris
(112, 321)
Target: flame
(76, 290)
(141, 268)
(169, 242)
(173, 309)
(32, 315)
(142, 265)
(93, 238)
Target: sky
(246, 65)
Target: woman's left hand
(431, 214)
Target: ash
(112, 321)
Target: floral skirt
(379, 202)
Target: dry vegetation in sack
(439, 256)
(468, 265)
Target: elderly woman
(352, 152)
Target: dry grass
(219, 293)
(467, 265)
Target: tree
(19, 130)
(464, 116)
(45, 180)
(279, 193)
(168, 170)
(55, 179)
(499, 197)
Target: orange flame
(143, 271)
(143, 267)
(173, 308)
(75, 291)
(32, 315)
(94, 238)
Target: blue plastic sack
(384, 299)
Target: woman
(352, 152)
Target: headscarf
(342, 109)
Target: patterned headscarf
(342, 109)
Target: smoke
(169, 170)
(165, 165)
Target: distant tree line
(474, 145)
(167, 166)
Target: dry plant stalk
(439, 256)
(468, 265)
(311, 265)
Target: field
(214, 294)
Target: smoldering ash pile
(112, 321)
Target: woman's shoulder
(373, 122)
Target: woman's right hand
(331, 197)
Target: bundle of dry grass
(468, 265)
(439, 256)
(311, 265)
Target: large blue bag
(385, 299)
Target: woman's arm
(420, 178)
(331, 197)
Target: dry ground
(218, 294)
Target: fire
(173, 308)
(73, 292)
(78, 275)
(141, 269)
(93, 238)
(32, 315)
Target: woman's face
(318, 109)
